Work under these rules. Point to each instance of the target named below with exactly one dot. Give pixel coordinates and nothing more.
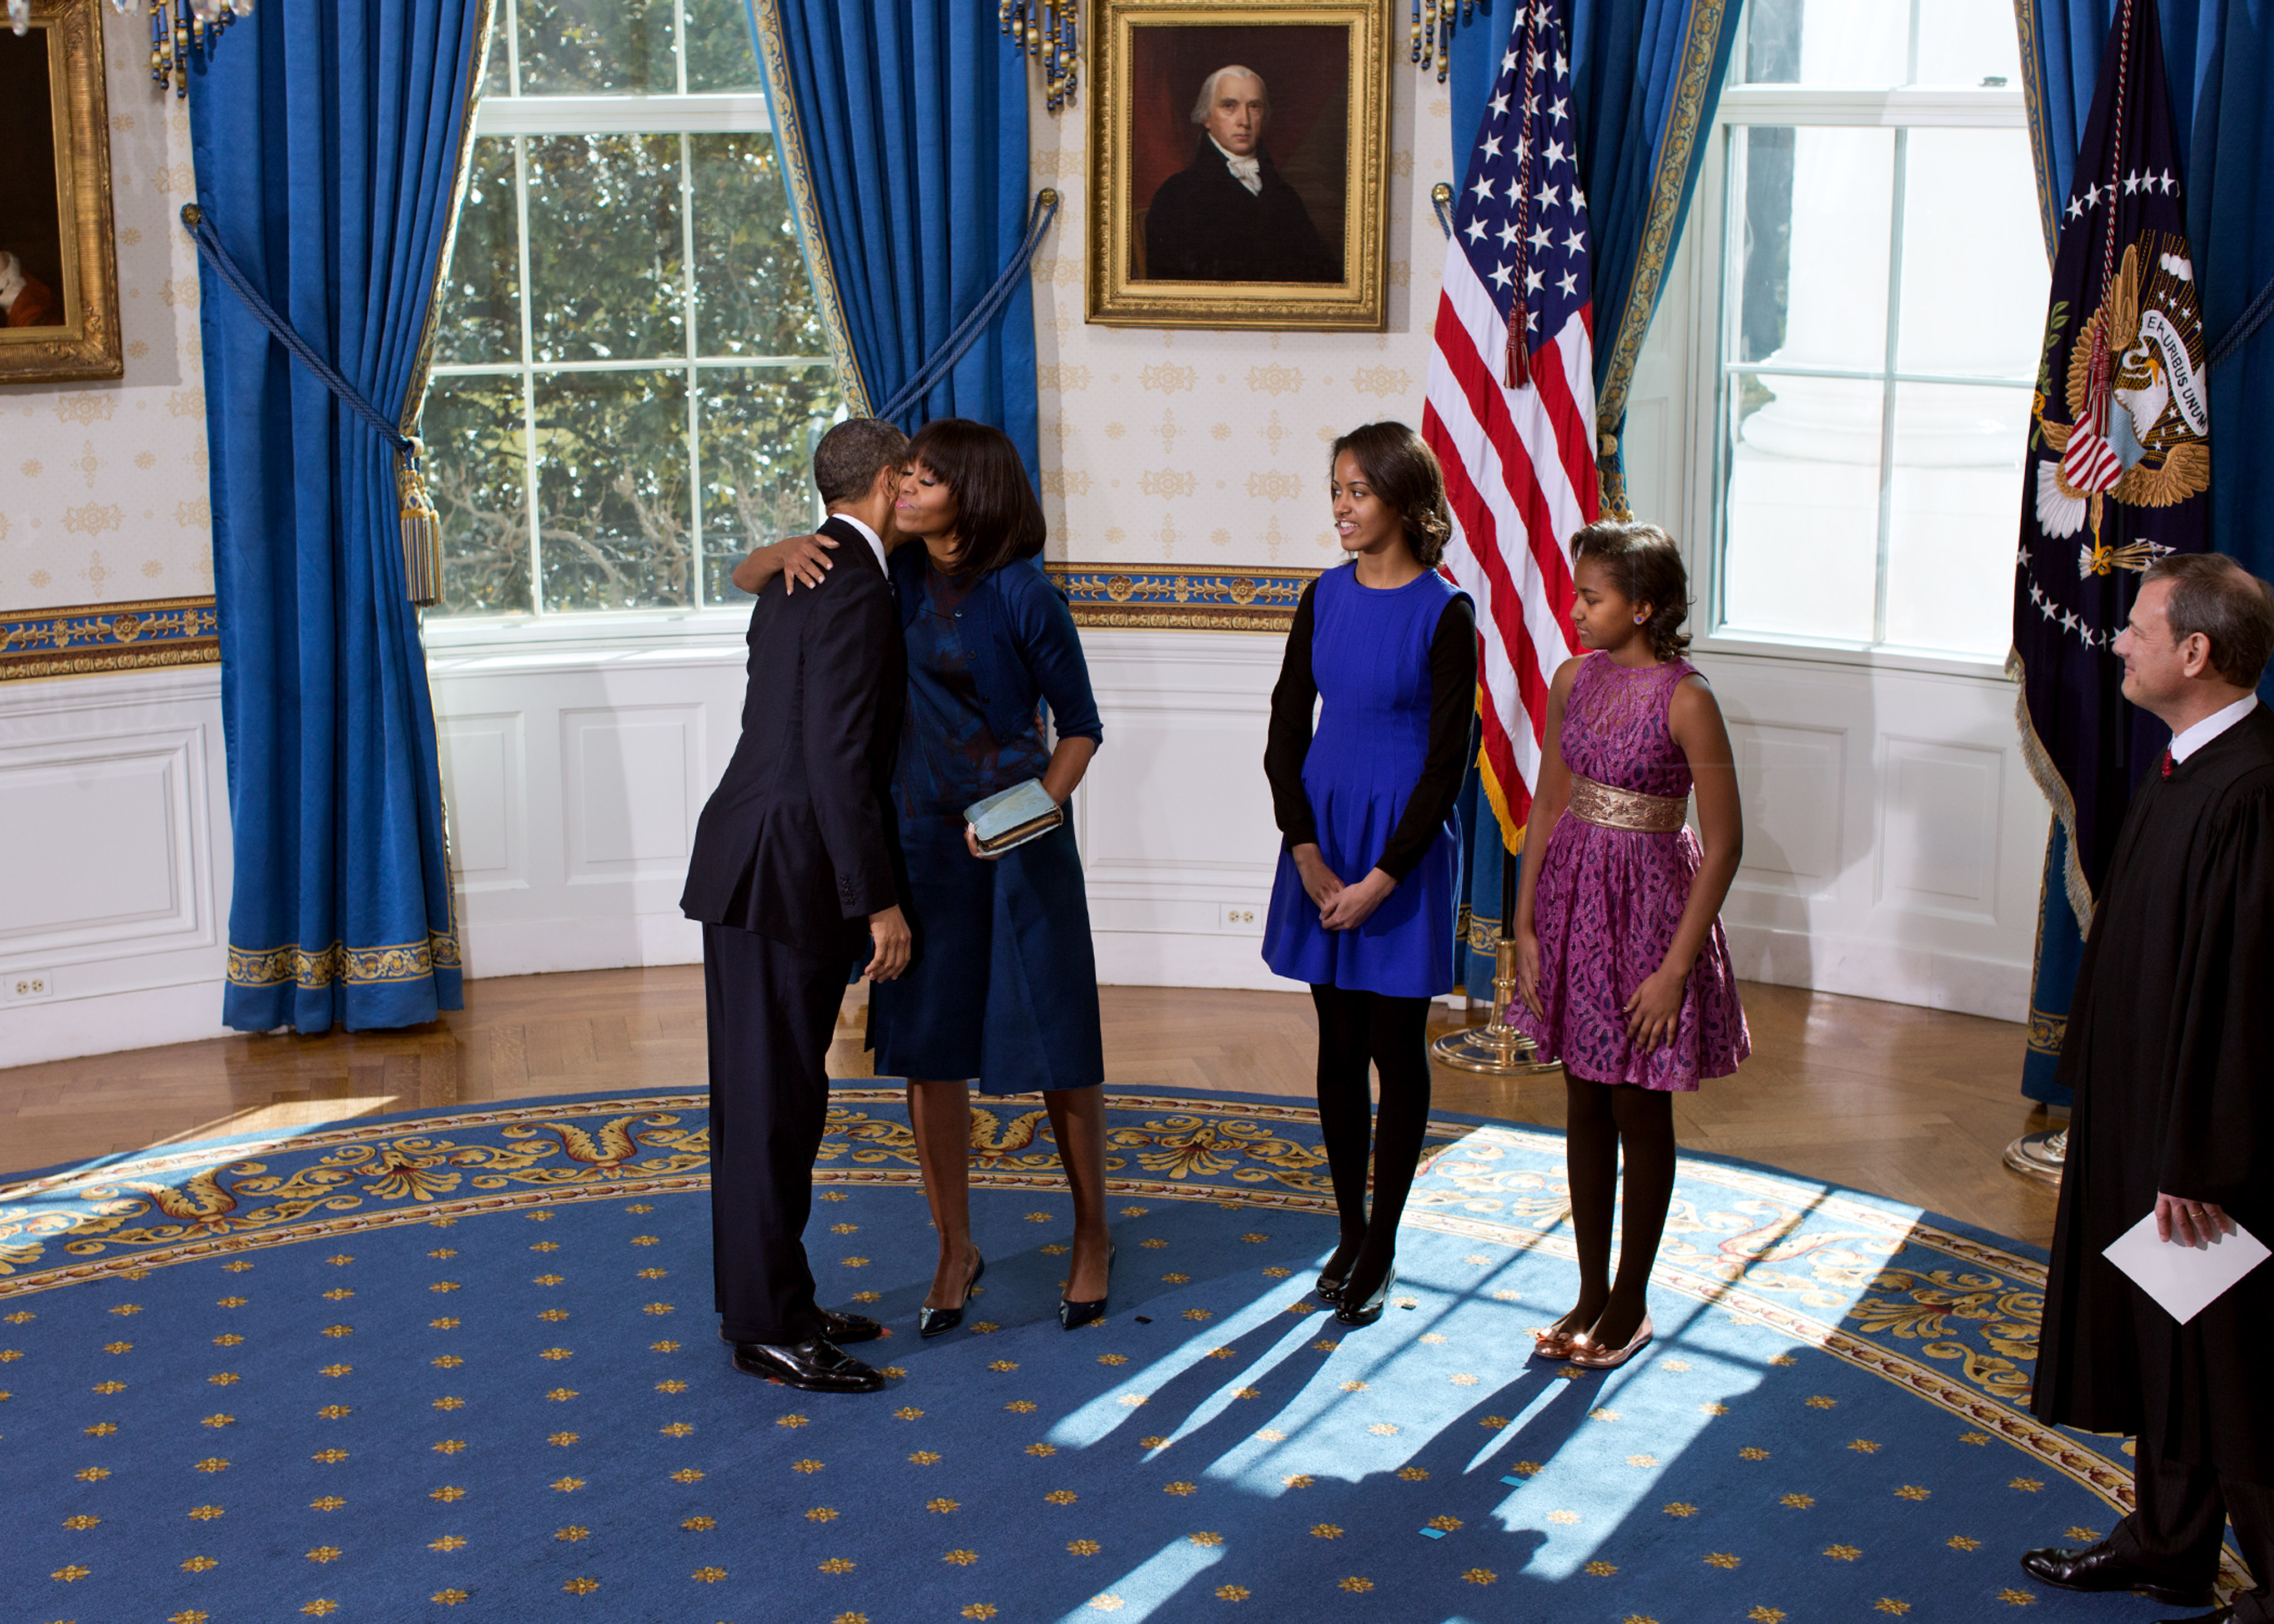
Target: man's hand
(1354, 905)
(888, 930)
(2191, 1223)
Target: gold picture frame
(56, 226)
(1310, 252)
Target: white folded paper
(2185, 1280)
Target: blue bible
(1018, 815)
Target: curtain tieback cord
(966, 332)
(421, 526)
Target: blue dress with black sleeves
(1002, 988)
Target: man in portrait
(25, 300)
(1230, 216)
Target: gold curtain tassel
(422, 533)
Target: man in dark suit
(1230, 217)
(793, 877)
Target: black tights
(1600, 1119)
(1357, 1029)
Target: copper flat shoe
(1548, 1342)
(1592, 1355)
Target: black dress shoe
(842, 1328)
(835, 1328)
(932, 1322)
(1366, 1313)
(2099, 1568)
(817, 1366)
(1073, 1315)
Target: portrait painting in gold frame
(1238, 164)
(58, 254)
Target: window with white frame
(630, 370)
(1883, 296)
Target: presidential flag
(1511, 399)
(2118, 468)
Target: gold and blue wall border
(87, 638)
(1164, 597)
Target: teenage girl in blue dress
(1362, 908)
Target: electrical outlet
(27, 986)
(1241, 918)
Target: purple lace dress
(1609, 899)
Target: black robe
(2170, 1051)
(1204, 226)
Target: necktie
(2168, 763)
(1249, 172)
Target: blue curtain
(2220, 57)
(326, 137)
(902, 125)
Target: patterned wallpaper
(1192, 451)
(103, 486)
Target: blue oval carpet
(463, 1365)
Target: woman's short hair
(1403, 473)
(2232, 609)
(997, 516)
(1646, 565)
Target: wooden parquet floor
(1911, 1103)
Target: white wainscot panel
(1178, 837)
(113, 877)
(1791, 781)
(1938, 829)
(485, 775)
(633, 784)
(1891, 833)
(110, 824)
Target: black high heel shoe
(1369, 1311)
(939, 1321)
(1073, 1315)
(1330, 1285)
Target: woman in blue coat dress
(1004, 984)
(1363, 905)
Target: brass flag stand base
(2039, 1155)
(1495, 1048)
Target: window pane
(497, 78)
(475, 472)
(752, 294)
(1801, 551)
(1968, 42)
(1975, 279)
(481, 298)
(720, 56)
(582, 47)
(1858, 42)
(1817, 205)
(759, 426)
(604, 265)
(612, 490)
(1956, 515)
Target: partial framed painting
(1239, 164)
(58, 254)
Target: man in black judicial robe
(2169, 1050)
(1230, 216)
(795, 877)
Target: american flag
(1511, 400)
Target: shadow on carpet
(461, 1364)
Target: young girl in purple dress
(1620, 964)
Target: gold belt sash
(1626, 808)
